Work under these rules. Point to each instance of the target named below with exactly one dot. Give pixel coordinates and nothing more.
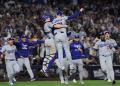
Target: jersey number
(107, 47)
(60, 23)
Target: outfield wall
(89, 73)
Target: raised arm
(35, 43)
(16, 43)
(75, 15)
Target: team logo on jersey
(10, 51)
(24, 46)
(77, 46)
(105, 44)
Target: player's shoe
(109, 80)
(82, 83)
(14, 80)
(74, 81)
(10, 83)
(51, 72)
(66, 82)
(113, 82)
(105, 78)
(72, 68)
(46, 73)
(41, 71)
(62, 81)
(32, 79)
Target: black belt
(105, 55)
(60, 32)
(10, 59)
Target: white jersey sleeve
(96, 45)
(3, 49)
(65, 17)
(113, 42)
(48, 26)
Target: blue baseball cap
(107, 32)
(10, 39)
(102, 33)
(59, 12)
(23, 36)
(45, 17)
(77, 36)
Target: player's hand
(117, 51)
(22, 57)
(34, 39)
(94, 53)
(87, 62)
(66, 26)
(44, 38)
(80, 49)
(71, 41)
(81, 9)
(2, 56)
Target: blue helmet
(51, 18)
(44, 17)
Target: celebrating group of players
(59, 49)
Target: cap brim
(10, 39)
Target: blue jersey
(75, 53)
(23, 47)
(31, 51)
(64, 55)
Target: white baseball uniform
(61, 41)
(105, 56)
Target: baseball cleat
(62, 81)
(51, 72)
(82, 83)
(74, 81)
(32, 79)
(72, 68)
(105, 78)
(66, 82)
(10, 83)
(42, 72)
(109, 80)
(46, 73)
(113, 82)
(14, 80)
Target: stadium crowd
(18, 17)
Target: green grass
(57, 83)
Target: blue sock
(74, 74)
(50, 63)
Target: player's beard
(102, 39)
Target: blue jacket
(75, 53)
(64, 55)
(22, 47)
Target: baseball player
(49, 44)
(105, 48)
(65, 61)
(61, 39)
(10, 60)
(76, 49)
(22, 47)
(113, 42)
